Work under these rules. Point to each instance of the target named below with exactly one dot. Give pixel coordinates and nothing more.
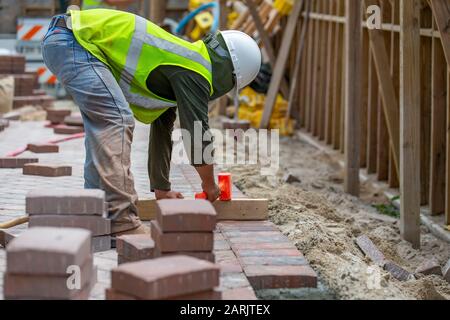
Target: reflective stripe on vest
(141, 37)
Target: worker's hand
(212, 191)
(162, 194)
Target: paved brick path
(14, 187)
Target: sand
(323, 222)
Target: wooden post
(280, 65)
(157, 11)
(410, 121)
(353, 67)
(267, 43)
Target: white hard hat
(245, 54)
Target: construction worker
(119, 66)
(106, 4)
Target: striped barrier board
(32, 29)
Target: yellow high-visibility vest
(95, 4)
(133, 47)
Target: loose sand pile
(323, 222)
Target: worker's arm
(160, 153)
(192, 93)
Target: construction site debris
(370, 249)
(16, 163)
(43, 148)
(429, 267)
(65, 129)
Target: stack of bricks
(168, 278)
(41, 262)
(25, 83)
(12, 64)
(184, 227)
(134, 247)
(71, 209)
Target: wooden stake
(353, 57)
(410, 121)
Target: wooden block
(237, 209)
(242, 209)
(147, 209)
(48, 251)
(165, 278)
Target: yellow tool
(284, 7)
(203, 23)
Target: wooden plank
(395, 67)
(315, 72)
(280, 65)
(299, 57)
(447, 178)
(438, 129)
(387, 88)
(410, 121)
(309, 74)
(383, 142)
(372, 118)
(426, 20)
(267, 43)
(353, 57)
(330, 76)
(365, 99)
(338, 63)
(441, 12)
(322, 76)
(237, 209)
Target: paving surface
(14, 187)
